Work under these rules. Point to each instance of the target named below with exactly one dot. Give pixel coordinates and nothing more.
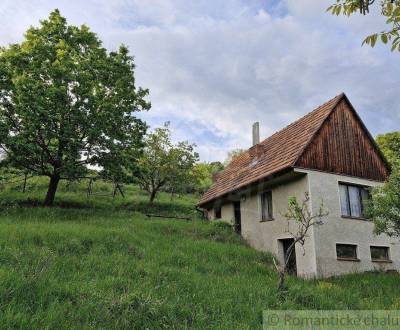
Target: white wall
(325, 186)
(265, 236)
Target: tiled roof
(278, 152)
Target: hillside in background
(102, 263)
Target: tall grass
(98, 263)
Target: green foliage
(164, 164)
(384, 208)
(65, 103)
(390, 9)
(104, 265)
(203, 175)
(390, 145)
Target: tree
(390, 145)
(66, 103)
(232, 155)
(304, 219)
(390, 9)
(164, 163)
(203, 175)
(384, 207)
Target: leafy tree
(232, 155)
(390, 145)
(163, 163)
(384, 207)
(66, 103)
(203, 175)
(390, 9)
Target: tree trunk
(281, 284)
(152, 196)
(51, 191)
(24, 186)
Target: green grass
(99, 263)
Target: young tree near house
(390, 9)
(65, 102)
(164, 163)
(303, 219)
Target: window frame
(341, 258)
(387, 248)
(359, 187)
(270, 215)
(218, 210)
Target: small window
(266, 206)
(379, 253)
(353, 200)
(346, 251)
(218, 212)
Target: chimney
(256, 133)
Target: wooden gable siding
(343, 146)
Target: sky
(215, 67)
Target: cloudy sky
(215, 67)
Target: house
(328, 154)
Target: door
(291, 267)
(238, 219)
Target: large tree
(384, 207)
(65, 102)
(390, 146)
(164, 164)
(390, 10)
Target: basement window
(266, 206)
(380, 253)
(218, 212)
(346, 252)
(353, 200)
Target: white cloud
(213, 69)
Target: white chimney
(256, 133)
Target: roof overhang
(269, 181)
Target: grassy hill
(98, 263)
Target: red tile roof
(278, 152)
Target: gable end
(344, 146)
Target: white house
(329, 154)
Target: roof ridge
(339, 97)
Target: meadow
(99, 262)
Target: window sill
(355, 218)
(348, 259)
(267, 220)
(382, 261)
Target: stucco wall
(265, 236)
(325, 186)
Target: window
(266, 206)
(346, 251)
(217, 212)
(379, 253)
(353, 200)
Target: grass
(98, 263)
